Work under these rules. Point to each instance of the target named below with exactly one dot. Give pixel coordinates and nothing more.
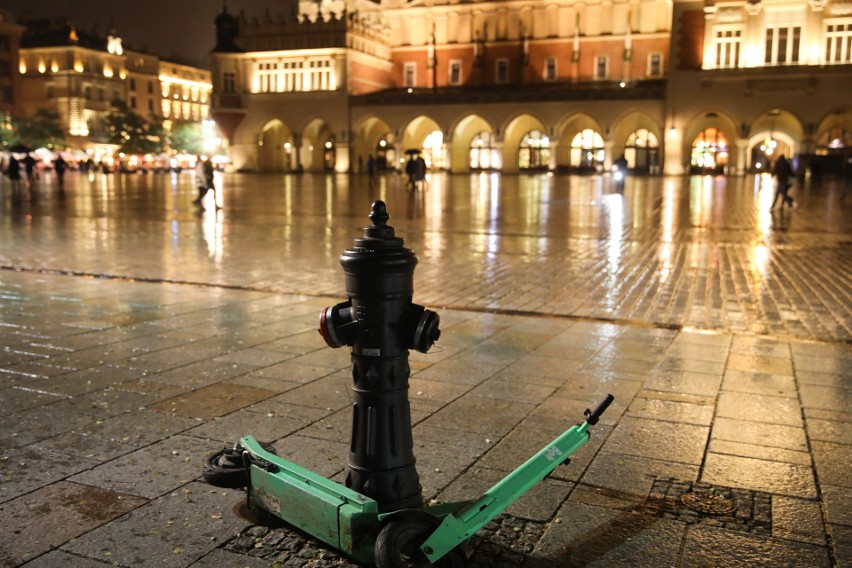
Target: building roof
(57, 33)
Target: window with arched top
(483, 152)
(534, 152)
(587, 151)
(642, 151)
(709, 151)
(433, 151)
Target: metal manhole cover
(710, 503)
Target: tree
(132, 133)
(188, 137)
(41, 130)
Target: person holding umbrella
(411, 168)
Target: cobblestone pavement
(139, 335)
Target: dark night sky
(182, 29)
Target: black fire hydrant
(381, 324)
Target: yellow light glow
(78, 66)
(22, 67)
(42, 67)
(107, 71)
(54, 66)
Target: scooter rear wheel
(225, 467)
(399, 541)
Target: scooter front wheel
(399, 541)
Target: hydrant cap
(379, 233)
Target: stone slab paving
(114, 389)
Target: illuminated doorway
(587, 152)
(483, 152)
(710, 152)
(642, 152)
(534, 152)
(433, 151)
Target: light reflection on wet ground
(698, 251)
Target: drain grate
(702, 503)
(709, 503)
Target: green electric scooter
(350, 522)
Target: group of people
(415, 169)
(24, 171)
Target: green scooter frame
(350, 522)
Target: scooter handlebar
(592, 417)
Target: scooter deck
(331, 512)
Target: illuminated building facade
(82, 77)
(10, 39)
(753, 79)
(185, 93)
(527, 85)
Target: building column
(297, 151)
(673, 158)
(400, 153)
(342, 156)
(553, 163)
(447, 149)
(608, 157)
(742, 156)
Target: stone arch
(513, 133)
(369, 134)
(567, 130)
(649, 159)
(735, 158)
(463, 133)
(415, 133)
(314, 153)
(772, 133)
(275, 147)
(832, 140)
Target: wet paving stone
(759, 408)
(655, 439)
(762, 475)
(759, 434)
(152, 471)
(797, 519)
(39, 423)
(177, 529)
(584, 535)
(262, 425)
(712, 546)
(37, 522)
(833, 463)
(26, 469)
(212, 401)
(765, 324)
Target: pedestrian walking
(30, 167)
(13, 170)
(419, 171)
(410, 169)
(782, 172)
(59, 166)
(203, 174)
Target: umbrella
(413, 151)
